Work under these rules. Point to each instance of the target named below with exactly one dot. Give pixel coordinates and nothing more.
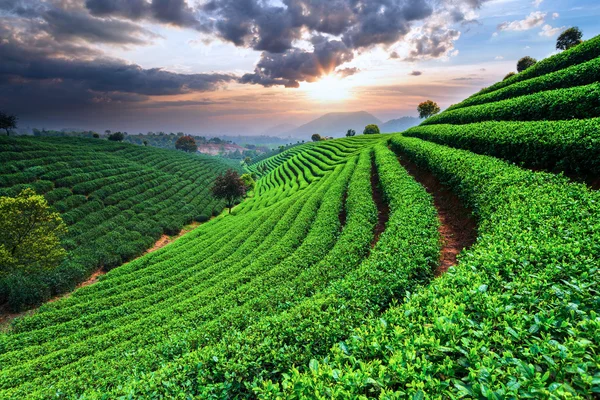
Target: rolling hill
(117, 199)
(333, 281)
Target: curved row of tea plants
(403, 258)
(586, 51)
(116, 199)
(576, 75)
(517, 318)
(571, 146)
(573, 103)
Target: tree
(116, 137)
(186, 143)
(29, 234)
(427, 109)
(371, 129)
(249, 182)
(229, 187)
(525, 62)
(145, 143)
(247, 160)
(7, 122)
(95, 135)
(569, 38)
(351, 132)
(316, 137)
(510, 74)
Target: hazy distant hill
(279, 130)
(399, 125)
(335, 124)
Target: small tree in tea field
(229, 187)
(29, 234)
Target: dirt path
(383, 209)
(7, 317)
(458, 227)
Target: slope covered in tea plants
(116, 199)
(518, 316)
(298, 293)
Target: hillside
(454, 260)
(116, 199)
(334, 124)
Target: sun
(330, 88)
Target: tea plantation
(116, 199)
(298, 294)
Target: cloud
(416, 73)
(170, 12)
(432, 40)
(536, 18)
(499, 58)
(71, 23)
(295, 65)
(549, 31)
(555, 15)
(346, 72)
(537, 3)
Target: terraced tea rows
(299, 294)
(117, 200)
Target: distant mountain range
(337, 124)
(399, 125)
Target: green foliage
(570, 146)
(587, 51)
(316, 137)
(509, 75)
(116, 199)
(576, 75)
(562, 104)
(569, 38)
(517, 318)
(371, 129)
(248, 181)
(116, 137)
(350, 133)
(525, 63)
(186, 143)
(29, 234)
(427, 109)
(229, 187)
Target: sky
(245, 66)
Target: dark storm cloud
(68, 23)
(294, 66)
(172, 12)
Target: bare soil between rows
(383, 209)
(458, 227)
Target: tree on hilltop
(316, 137)
(371, 129)
(350, 133)
(116, 137)
(8, 122)
(229, 187)
(186, 143)
(427, 109)
(525, 63)
(29, 234)
(569, 38)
